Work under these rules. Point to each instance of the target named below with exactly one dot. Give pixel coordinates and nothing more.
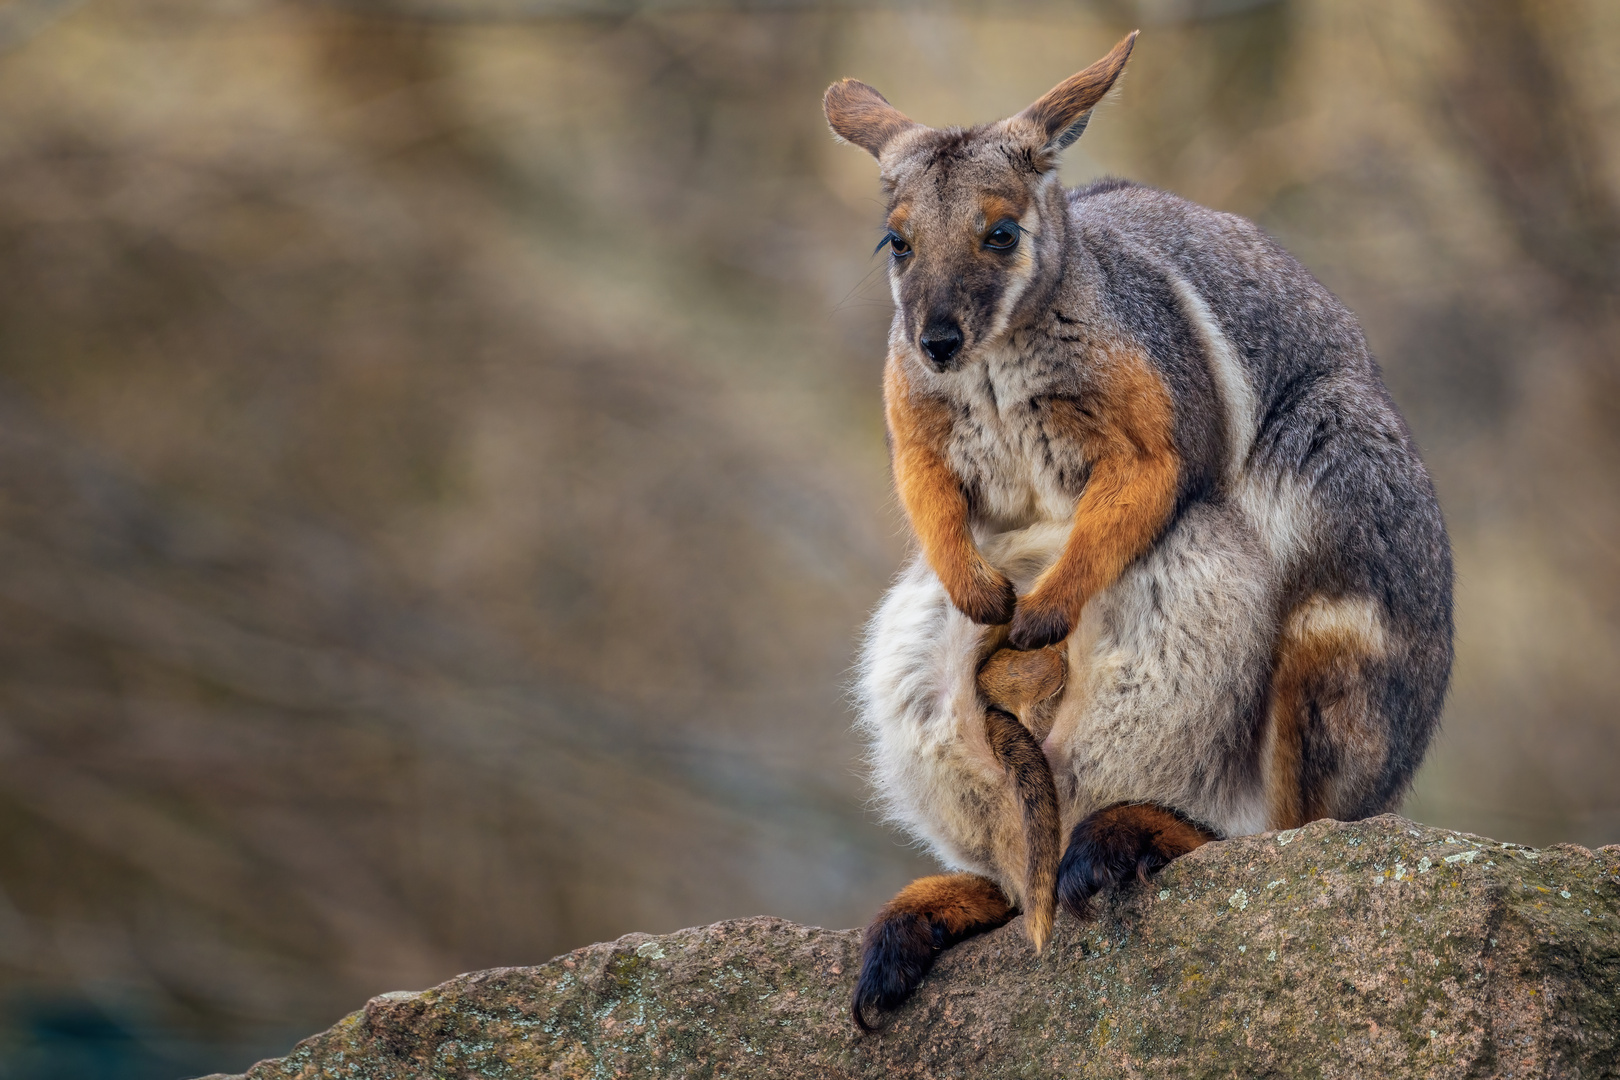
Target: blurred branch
(1517, 112)
(1153, 12)
(479, 11)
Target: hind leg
(1331, 750)
(1119, 842)
(928, 916)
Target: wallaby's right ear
(863, 116)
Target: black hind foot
(929, 915)
(1119, 842)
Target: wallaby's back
(1294, 407)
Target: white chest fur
(1001, 447)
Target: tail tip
(1039, 928)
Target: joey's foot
(987, 598)
(928, 916)
(1120, 842)
(1017, 681)
(1039, 622)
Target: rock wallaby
(1181, 574)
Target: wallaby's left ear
(1063, 111)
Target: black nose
(941, 341)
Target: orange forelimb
(1128, 432)
(933, 497)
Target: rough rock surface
(1380, 948)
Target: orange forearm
(932, 495)
(1120, 515)
(1126, 429)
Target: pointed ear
(863, 116)
(1063, 111)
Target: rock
(1378, 948)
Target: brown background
(442, 477)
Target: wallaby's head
(975, 215)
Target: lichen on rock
(1375, 948)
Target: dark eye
(1004, 237)
(897, 244)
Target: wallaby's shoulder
(1160, 223)
(1164, 259)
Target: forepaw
(988, 598)
(1120, 842)
(1039, 622)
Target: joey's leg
(927, 916)
(1017, 684)
(1119, 842)
(1031, 777)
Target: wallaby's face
(963, 220)
(965, 206)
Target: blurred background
(442, 472)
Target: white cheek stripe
(1018, 280)
(1230, 379)
(1031, 223)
